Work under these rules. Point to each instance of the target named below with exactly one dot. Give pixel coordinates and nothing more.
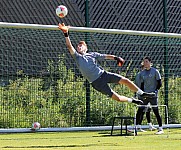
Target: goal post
(39, 80)
(87, 29)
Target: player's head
(147, 62)
(82, 47)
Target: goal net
(39, 80)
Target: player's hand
(120, 61)
(62, 27)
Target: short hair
(83, 42)
(147, 57)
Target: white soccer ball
(35, 126)
(61, 11)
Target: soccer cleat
(141, 130)
(159, 132)
(147, 95)
(137, 101)
(152, 128)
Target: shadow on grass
(108, 134)
(59, 146)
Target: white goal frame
(86, 29)
(91, 30)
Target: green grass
(101, 140)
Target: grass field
(89, 140)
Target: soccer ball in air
(35, 126)
(61, 11)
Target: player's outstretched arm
(120, 61)
(66, 34)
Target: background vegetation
(57, 99)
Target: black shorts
(153, 101)
(101, 84)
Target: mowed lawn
(89, 140)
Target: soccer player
(150, 82)
(147, 110)
(96, 75)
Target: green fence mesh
(39, 81)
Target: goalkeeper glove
(120, 61)
(64, 29)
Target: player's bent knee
(124, 80)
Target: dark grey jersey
(88, 66)
(150, 77)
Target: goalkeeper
(97, 76)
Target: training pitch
(89, 140)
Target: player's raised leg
(120, 98)
(134, 88)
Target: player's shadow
(108, 134)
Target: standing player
(96, 75)
(139, 115)
(150, 82)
